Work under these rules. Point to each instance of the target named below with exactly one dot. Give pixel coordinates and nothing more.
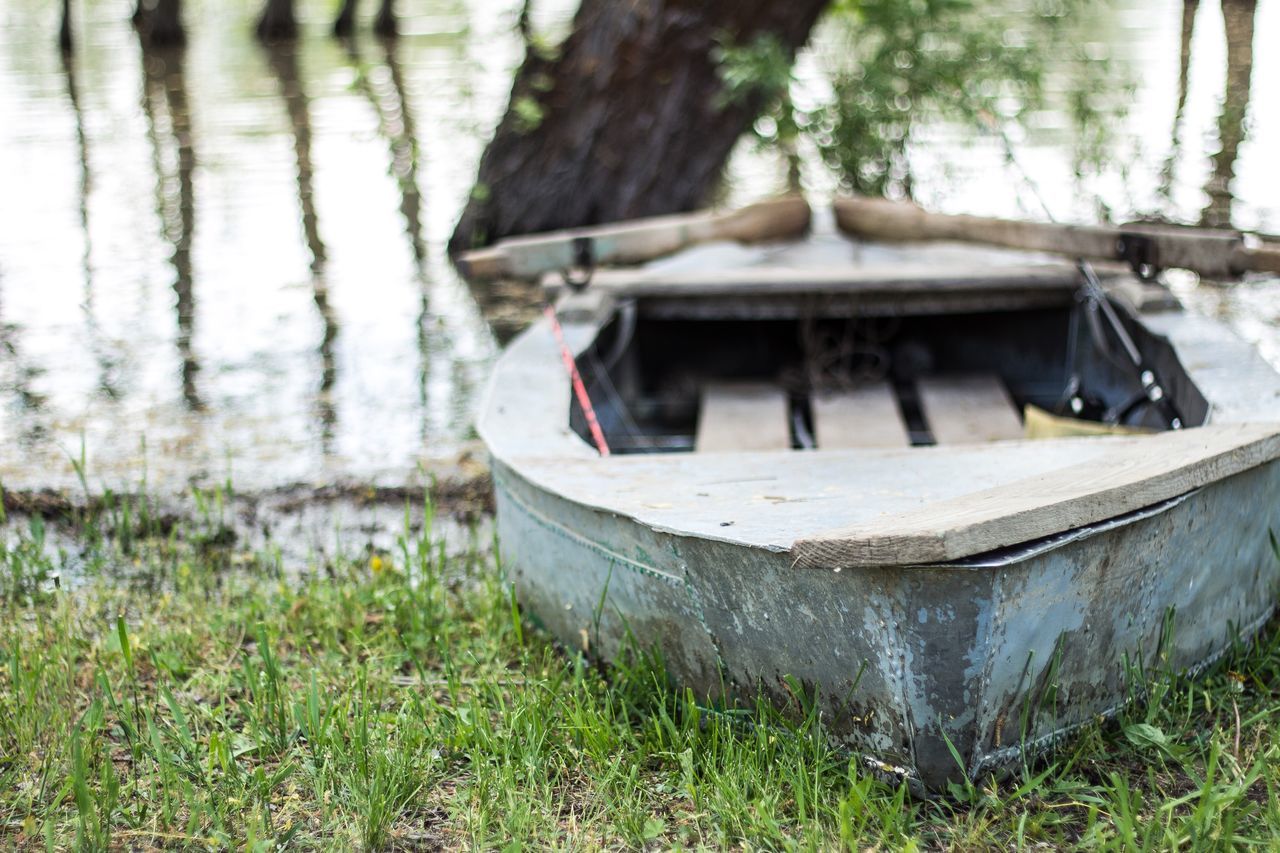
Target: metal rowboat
(816, 481)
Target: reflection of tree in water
(390, 102)
(1238, 18)
(278, 22)
(64, 30)
(107, 364)
(82, 145)
(283, 60)
(164, 97)
(389, 99)
(18, 377)
(384, 24)
(159, 23)
(1189, 10)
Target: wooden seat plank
(867, 416)
(742, 416)
(968, 409)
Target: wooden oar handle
(638, 240)
(1265, 258)
(1213, 254)
(896, 221)
(773, 219)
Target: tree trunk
(64, 31)
(278, 22)
(344, 25)
(159, 23)
(1238, 20)
(385, 24)
(628, 120)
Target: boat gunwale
(540, 440)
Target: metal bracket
(1141, 253)
(578, 276)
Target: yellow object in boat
(1037, 423)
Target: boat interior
(662, 380)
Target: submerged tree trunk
(1238, 19)
(64, 31)
(629, 119)
(1189, 10)
(159, 23)
(345, 24)
(278, 23)
(284, 66)
(165, 104)
(385, 24)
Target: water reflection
(384, 24)
(82, 148)
(283, 61)
(104, 360)
(164, 103)
(1238, 18)
(65, 40)
(326, 412)
(312, 328)
(19, 377)
(1189, 10)
(383, 87)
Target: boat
(919, 483)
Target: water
(229, 262)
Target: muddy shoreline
(303, 527)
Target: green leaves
(528, 113)
(894, 67)
(1146, 736)
(126, 649)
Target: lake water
(229, 261)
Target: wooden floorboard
(742, 416)
(968, 409)
(867, 416)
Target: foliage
(761, 70)
(528, 112)
(892, 67)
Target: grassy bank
(177, 692)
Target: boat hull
(934, 672)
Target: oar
(634, 241)
(1149, 248)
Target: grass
(185, 694)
